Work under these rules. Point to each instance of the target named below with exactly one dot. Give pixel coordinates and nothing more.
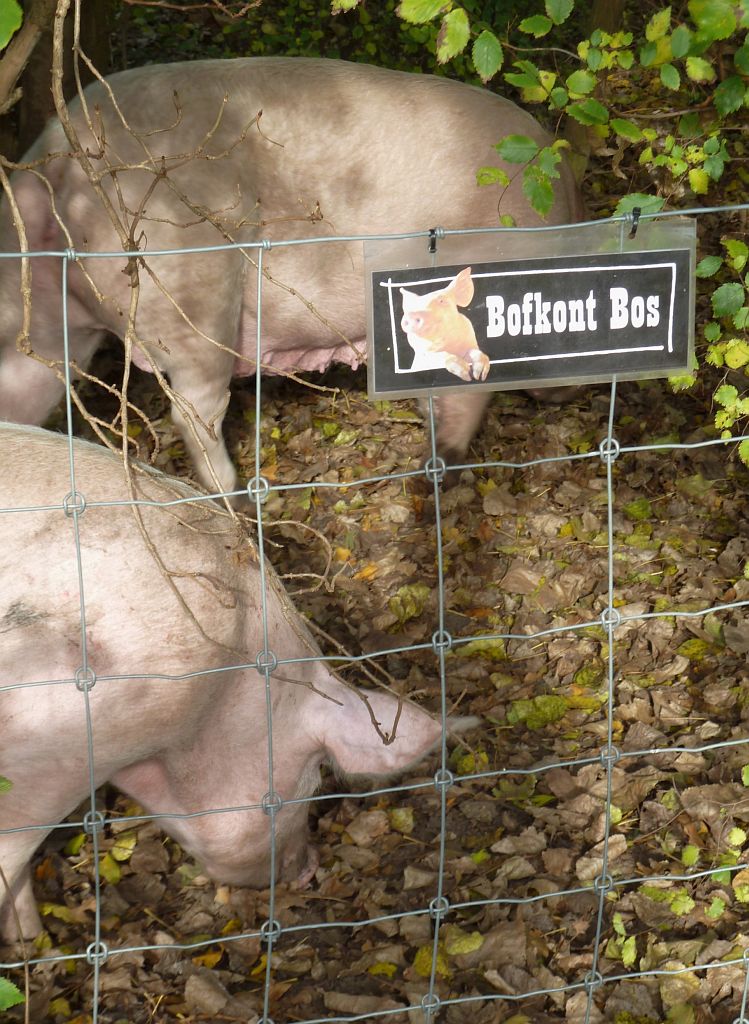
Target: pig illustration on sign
(186, 160)
(177, 705)
(442, 337)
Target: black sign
(531, 321)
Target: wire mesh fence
(577, 994)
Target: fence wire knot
(97, 952)
(593, 980)
(93, 821)
(441, 641)
(270, 931)
(258, 488)
(85, 679)
(443, 778)
(73, 503)
(608, 449)
(434, 469)
(271, 803)
(610, 618)
(438, 907)
(430, 1003)
(603, 884)
(71, 255)
(266, 661)
(610, 755)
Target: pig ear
(463, 287)
(352, 741)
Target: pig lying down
(176, 745)
(189, 160)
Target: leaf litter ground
(524, 550)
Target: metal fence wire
(577, 1000)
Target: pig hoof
(480, 367)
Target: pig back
(179, 596)
(277, 148)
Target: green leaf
(699, 181)
(424, 958)
(658, 25)
(716, 908)
(109, 869)
(458, 942)
(741, 59)
(736, 837)
(559, 10)
(727, 299)
(517, 149)
(729, 95)
(681, 903)
(538, 711)
(745, 775)
(537, 26)
(700, 70)
(588, 112)
(487, 55)
(681, 40)
(453, 35)
(340, 6)
(738, 252)
(648, 54)
(690, 855)
(629, 951)
(538, 190)
(626, 129)
(581, 82)
(594, 58)
(9, 994)
(559, 97)
(708, 266)
(647, 204)
(5, 785)
(409, 601)
(548, 160)
(714, 18)
(744, 456)
(670, 77)
(737, 353)
(726, 395)
(638, 509)
(11, 17)
(419, 12)
(492, 176)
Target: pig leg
(22, 898)
(29, 390)
(458, 418)
(458, 366)
(479, 364)
(202, 391)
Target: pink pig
(180, 149)
(441, 337)
(177, 743)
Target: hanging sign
(532, 321)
